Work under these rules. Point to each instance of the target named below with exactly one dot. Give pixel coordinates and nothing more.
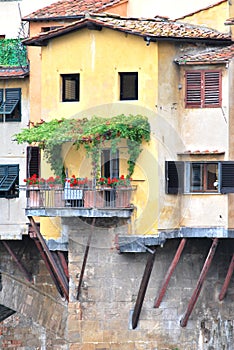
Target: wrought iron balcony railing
(75, 197)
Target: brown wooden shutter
(33, 161)
(174, 172)
(227, 177)
(193, 89)
(212, 89)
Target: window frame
(177, 177)
(200, 91)
(204, 177)
(74, 77)
(13, 103)
(122, 76)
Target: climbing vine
(12, 53)
(90, 133)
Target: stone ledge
(142, 243)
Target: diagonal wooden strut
(200, 282)
(55, 268)
(85, 260)
(143, 288)
(227, 280)
(169, 273)
(27, 275)
(47, 264)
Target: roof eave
(50, 19)
(193, 63)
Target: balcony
(75, 201)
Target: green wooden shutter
(11, 101)
(11, 175)
(227, 177)
(174, 173)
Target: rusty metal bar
(227, 280)
(200, 282)
(63, 262)
(85, 260)
(52, 262)
(27, 275)
(143, 288)
(169, 273)
(46, 261)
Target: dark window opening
(109, 169)
(129, 86)
(33, 161)
(70, 87)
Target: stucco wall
(13, 220)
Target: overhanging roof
(68, 9)
(153, 29)
(210, 56)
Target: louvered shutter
(193, 89)
(33, 161)
(70, 91)
(212, 89)
(174, 172)
(227, 177)
(12, 99)
(12, 173)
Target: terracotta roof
(210, 56)
(200, 10)
(13, 72)
(201, 152)
(151, 28)
(72, 9)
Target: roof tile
(72, 8)
(210, 56)
(153, 28)
(13, 72)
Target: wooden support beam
(27, 275)
(200, 282)
(58, 262)
(63, 262)
(52, 262)
(85, 260)
(46, 261)
(227, 280)
(169, 273)
(143, 288)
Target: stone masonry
(101, 318)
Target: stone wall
(101, 319)
(40, 318)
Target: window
(33, 161)
(199, 177)
(70, 87)
(10, 105)
(109, 163)
(203, 89)
(9, 181)
(129, 86)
